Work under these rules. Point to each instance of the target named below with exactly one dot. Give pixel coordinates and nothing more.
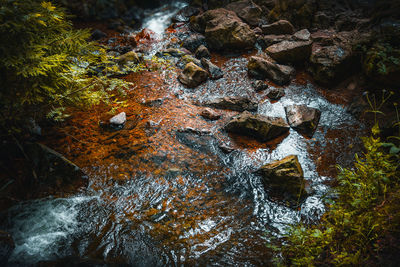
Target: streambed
(162, 192)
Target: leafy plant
(362, 218)
(44, 64)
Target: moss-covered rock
(284, 179)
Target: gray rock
(235, 103)
(303, 119)
(261, 127)
(265, 68)
(118, 120)
(194, 41)
(215, 72)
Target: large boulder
(303, 119)
(247, 11)
(332, 57)
(331, 64)
(277, 28)
(265, 68)
(223, 29)
(193, 75)
(284, 179)
(290, 51)
(261, 127)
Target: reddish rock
(303, 119)
(210, 114)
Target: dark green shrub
(361, 220)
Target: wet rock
(279, 27)
(261, 127)
(185, 13)
(53, 170)
(268, 40)
(210, 114)
(7, 246)
(236, 103)
(174, 52)
(201, 52)
(263, 67)
(303, 119)
(331, 64)
(223, 29)
(215, 72)
(302, 35)
(284, 179)
(290, 51)
(188, 59)
(131, 56)
(247, 11)
(193, 75)
(276, 93)
(97, 35)
(194, 41)
(118, 120)
(259, 85)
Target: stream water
(161, 190)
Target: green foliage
(357, 223)
(44, 64)
(382, 58)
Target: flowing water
(161, 190)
